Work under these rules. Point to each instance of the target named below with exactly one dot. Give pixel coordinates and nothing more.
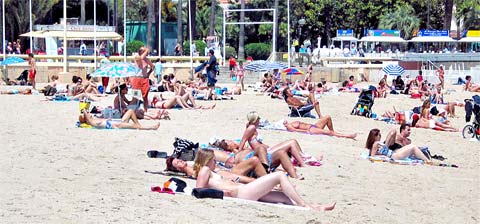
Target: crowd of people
(250, 168)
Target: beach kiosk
(433, 40)
(383, 41)
(471, 38)
(345, 36)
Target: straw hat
(252, 117)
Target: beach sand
(53, 172)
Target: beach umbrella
(117, 70)
(292, 71)
(393, 69)
(264, 66)
(12, 60)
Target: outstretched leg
(290, 146)
(408, 150)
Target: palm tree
(448, 14)
(82, 12)
(150, 20)
(403, 19)
(276, 21)
(212, 18)
(241, 35)
(193, 9)
(179, 23)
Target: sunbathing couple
(100, 123)
(376, 147)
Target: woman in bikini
(182, 101)
(376, 147)
(275, 158)
(101, 123)
(258, 190)
(234, 171)
(317, 128)
(425, 120)
(33, 70)
(469, 86)
(261, 150)
(17, 91)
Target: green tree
(213, 7)
(403, 19)
(468, 14)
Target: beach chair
(303, 111)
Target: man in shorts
(33, 70)
(143, 83)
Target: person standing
(441, 76)
(143, 83)
(232, 65)
(211, 71)
(105, 80)
(158, 70)
(33, 70)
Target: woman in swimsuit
(16, 91)
(239, 171)
(250, 136)
(101, 123)
(160, 102)
(375, 147)
(258, 190)
(425, 120)
(469, 86)
(317, 128)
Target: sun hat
(252, 117)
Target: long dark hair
(371, 138)
(170, 166)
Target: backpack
(184, 149)
(49, 91)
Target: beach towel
(406, 161)
(278, 126)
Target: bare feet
(352, 136)
(322, 207)
(156, 126)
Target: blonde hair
(201, 159)
(252, 117)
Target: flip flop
(156, 154)
(162, 190)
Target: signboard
(433, 33)
(344, 33)
(473, 33)
(383, 33)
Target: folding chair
(303, 111)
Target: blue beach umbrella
(117, 70)
(12, 60)
(264, 66)
(393, 69)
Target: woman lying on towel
(261, 150)
(240, 170)
(376, 147)
(276, 157)
(101, 123)
(177, 101)
(65, 97)
(317, 128)
(425, 120)
(258, 190)
(17, 91)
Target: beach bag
(49, 91)
(184, 149)
(175, 184)
(207, 193)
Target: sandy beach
(53, 172)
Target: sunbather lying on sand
(250, 136)
(17, 91)
(376, 147)
(101, 123)
(65, 97)
(424, 120)
(258, 190)
(182, 101)
(317, 128)
(240, 170)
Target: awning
(340, 38)
(383, 39)
(470, 39)
(432, 39)
(75, 35)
